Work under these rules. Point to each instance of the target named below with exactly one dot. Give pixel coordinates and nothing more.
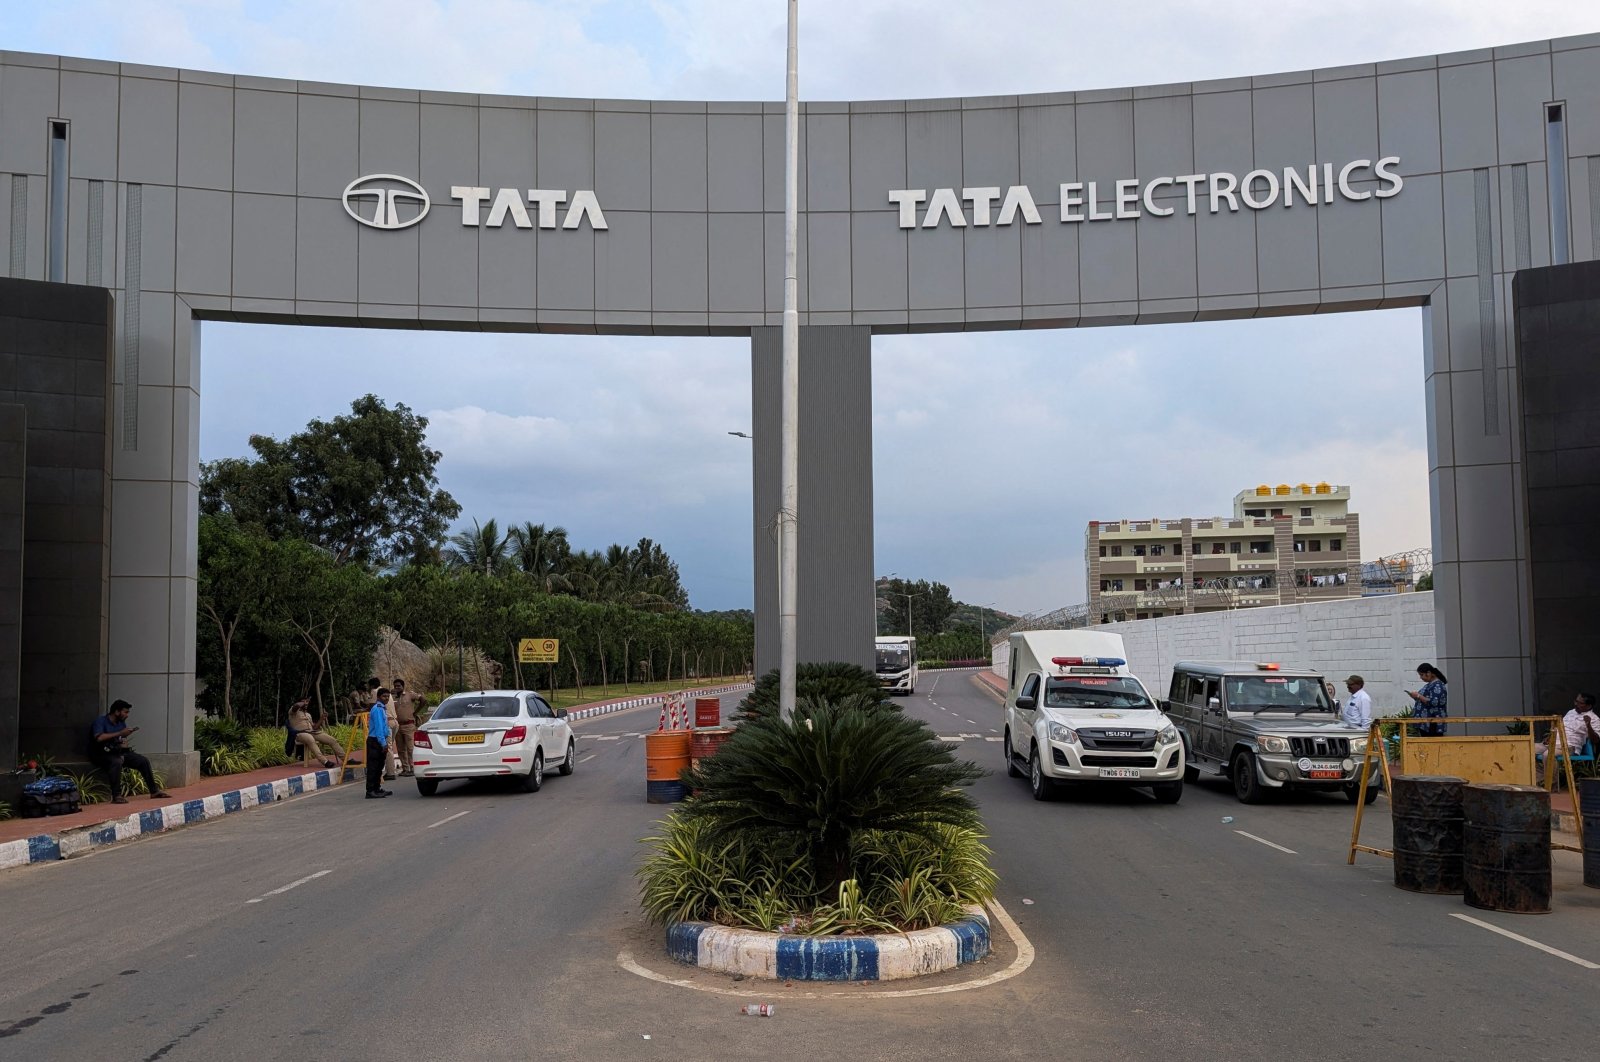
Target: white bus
(897, 663)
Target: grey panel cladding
(132, 284)
(19, 225)
(276, 157)
(1557, 317)
(1486, 315)
(96, 233)
(55, 363)
(837, 619)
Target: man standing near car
(1357, 711)
(405, 711)
(377, 744)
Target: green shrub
(92, 787)
(266, 747)
(133, 782)
(223, 744)
(902, 882)
(833, 682)
(838, 769)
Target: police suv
(1075, 713)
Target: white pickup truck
(1075, 713)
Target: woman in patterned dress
(1431, 701)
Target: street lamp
(982, 638)
(909, 632)
(742, 435)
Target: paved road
(486, 924)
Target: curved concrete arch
(1423, 182)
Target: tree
(233, 580)
(361, 486)
(483, 549)
(1426, 582)
(542, 552)
(931, 606)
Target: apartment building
(1283, 544)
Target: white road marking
(1018, 965)
(291, 885)
(1263, 840)
(1520, 939)
(452, 818)
(993, 739)
(589, 757)
(608, 737)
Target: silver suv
(1264, 727)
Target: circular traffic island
(796, 957)
(836, 845)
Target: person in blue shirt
(377, 744)
(108, 751)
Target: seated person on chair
(1581, 724)
(309, 737)
(108, 751)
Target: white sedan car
(492, 733)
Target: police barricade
(1474, 758)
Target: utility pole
(790, 446)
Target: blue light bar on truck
(1088, 661)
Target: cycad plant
(834, 682)
(838, 769)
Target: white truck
(1075, 713)
(897, 663)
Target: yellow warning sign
(538, 651)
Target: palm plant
(834, 682)
(483, 549)
(542, 553)
(813, 784)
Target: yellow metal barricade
(1508, 758)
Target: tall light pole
(983, 640)
(909, 632)
(790, 446)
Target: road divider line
(1263, 840)
(1520, 939)
(291, 885)
(452, 818)
(586, 759)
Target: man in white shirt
(1581, 724)
(1357, 711)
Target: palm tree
(483, 549)
(543, 553)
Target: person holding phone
(1431, 701)
(108, 750)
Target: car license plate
(464, 739)
(1119, 772)
(1325, 771)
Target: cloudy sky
(630, 434)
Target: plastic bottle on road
(757, 1010)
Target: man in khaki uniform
(407, 706)
(309, 736)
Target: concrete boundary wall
(1382, 639)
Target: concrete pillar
(837, 619)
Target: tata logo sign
(1160, 197)
(388, 201)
